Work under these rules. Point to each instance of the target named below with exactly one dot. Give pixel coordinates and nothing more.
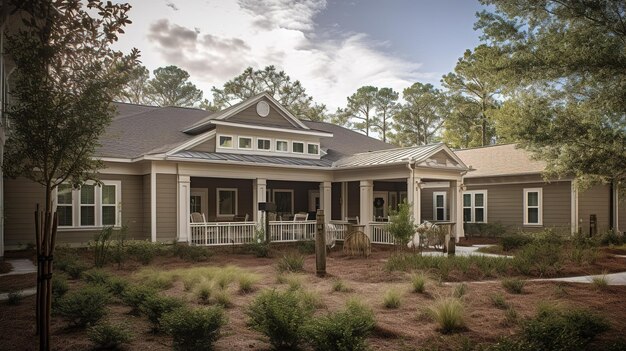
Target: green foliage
(611, 237)
(281, 316)
(70, 265)
(340, 286)
(460, 290)
(191, 253)
(401, 225)
(493, 230)
(101, 245)
(59, 285)
(204, 291)
(419, 119)
(170, 87)
(418, 283)
(134, 296)
(306, 247)
(543, 256)
(109, 337)
(343, 330)
(487, 266)
(510, 316)
(144, 251)
(291, 262)
(14, 298)
(155, 306)
(83, 307)
(600, 282)
(498, 300)
(513, 285)
(117, 286)
(223, 298)
(118, 251)
(392, 299)
(514, 241)
(96, 277)
(449, 314)
(194, 329)
(246, 283)
(386, 104)
(359, 113)
(258, 246)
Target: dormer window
(226, 141)
(298, 147)
(282, 146)
(313, 149)
(245, 143)
(263, 144)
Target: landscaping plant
(134, 296)
(291, 262)
(449, 314)
(418, 283)
(343, 330)
(155, 306)
(194, 329)
(83, 307)
(402, 225)
(100, 245)
(107, 336)
(513, 285)
(392, 299)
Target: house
(164, 164)
(507, 187)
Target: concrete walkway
(21, 266)
(465, 251)
(612, 279)
(23, 293)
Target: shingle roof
(499, 160)
(390, 156)
(276, 160)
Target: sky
(332, 46)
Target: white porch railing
(221, 233)
(340, 230)
(286, 231)
(379, 233)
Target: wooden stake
(320, 244)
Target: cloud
(171, 5)
(288, 14)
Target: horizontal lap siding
(505, 204)
(146, 207)
(594, 201)
(622, 214)
(166, 207)
(22, 196)
(427, 203)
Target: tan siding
(427, 202)
(249, 115)
(529, 178)
(146, 207)
(622, 214)
(22, 196)
(505, 204)
(166, 207)
(594, 201)
(207, 146)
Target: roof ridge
(132, 103)
(398, 148)
(484, 147)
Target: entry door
(439, 206)
(198, 201)
(314, 200)
(381, 205)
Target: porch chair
(353, 220)
(331, 235)
(300, 229)
(197, 217)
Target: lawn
(403, 298)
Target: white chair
(300, 217)
(353, 220)
(331, 235)
(300, 229)
(197, 217)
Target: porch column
(366, 206)
(326, 200)
(414, 198)
(259, 195)
(184, 193)
(344, 200)
(456, 207)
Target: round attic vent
(263, 108)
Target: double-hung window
(533, 206)
(475, 206)
(226, 202)
(263, 144)
(90, 205)
(439, 205)
(297, 147)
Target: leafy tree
(135, 90)
(386, 106)
(288, 93)
(473, 78)
(359, 112)
(66, 76)
(564, 69)
(402, 224)
(462, 127)
(421, 116)
(170, 87)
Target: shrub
(154, 307)
(101, 245)
(488, 266)
(157, 279)
(291, 262)
(485, 229)
(344, 330)
(118, 252)
(143, 251)
(59, 285)
(513, 285)
(191, 253)
(108, 336)
(134, 296)
(223, 298)
(514, 241)
(246, 283)
(499, 301)
(391, 299)
(258, 246)
(611, 237)
(14, 298)
(83, 307)
(460, 290)
(401, 227)
(449, 314)
(510, 316)
(340, 286)
(418, 283)
(204, 292)
(117, 286)
(195, 329)
(281, 316)
(306, 247)
(600, 282)
(73, 268)
(96, 277)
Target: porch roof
(260, 159)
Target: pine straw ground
(404, 328)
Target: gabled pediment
(440, 159)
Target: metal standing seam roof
(390, 156)
(260, 159)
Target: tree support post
(320, 244)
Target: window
(284, 201)
(64, 205)
(439, 206)
(90, 206)
(226, 202)
(282, 146)
(298, 147)
(474, 206)
(245, 143)
(313, 149)
(226, 141)
(533, 201)
(263, 144)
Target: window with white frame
(313, 149)
(439, 205)
(89, 206)
(263, 144)
(226, 141)
(245, 143)
(533, 206)
(282, 146)
(226, 202)
(475, 206)
(297, 147)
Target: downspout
(411, 166)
